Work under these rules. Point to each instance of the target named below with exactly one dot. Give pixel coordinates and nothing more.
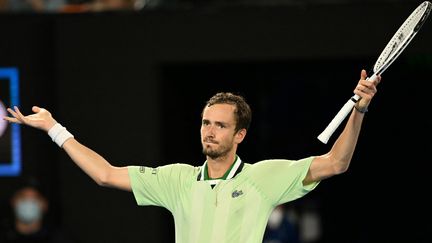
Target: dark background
(131, 86)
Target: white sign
(3, 123)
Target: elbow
(341, 168)
(102, 182)
(103, 179)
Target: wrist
(50, 125)
(59, 134)
(361, 109)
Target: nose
(209, 131)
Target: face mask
(28, 211)
(275, 218)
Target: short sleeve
(282, 180)
(158, 186)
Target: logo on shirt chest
(236, 193)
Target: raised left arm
(338, 159)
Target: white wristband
(59, 134)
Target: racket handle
(372, 78)
(340, 116)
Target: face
(218, 136)
(29, 205)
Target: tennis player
(225, 199)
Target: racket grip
(334, 124)
(372, 78)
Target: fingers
(20, 115)
(14, 118)
(378, 79)
(36, 109)
(11, 119)
(40, 119)
(365, 89)
(363, 74)
(366, 85)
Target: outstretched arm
(94, 165)
(337, 160)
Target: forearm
(89, 161)
(343, 149)
(338, 159)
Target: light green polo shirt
(235, 210)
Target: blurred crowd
(72, 5)
(28, 215)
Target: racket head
(402, 37)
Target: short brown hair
(242, 112)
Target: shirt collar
(235, 168)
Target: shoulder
(179, 167)
(169, 169)
(269, 163)
(285, 162)
(274, 165)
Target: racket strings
(393, 49)
(402, 36)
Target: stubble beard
(215, 153)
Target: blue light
(12, 168)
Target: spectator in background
(28, 222)
(294, 223)
(280, 228)
(75, 6)
(70, 6)
(34, 5)
(3, 5)
(110, 5)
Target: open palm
(41, 118)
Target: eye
(220, 125)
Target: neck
(27, 228)
(217, 167)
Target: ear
(240, 135)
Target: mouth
(208, 141)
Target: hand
(41, 118)
(366, 90)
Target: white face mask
(276, 218)
(28, 211)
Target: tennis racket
(394, 48)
